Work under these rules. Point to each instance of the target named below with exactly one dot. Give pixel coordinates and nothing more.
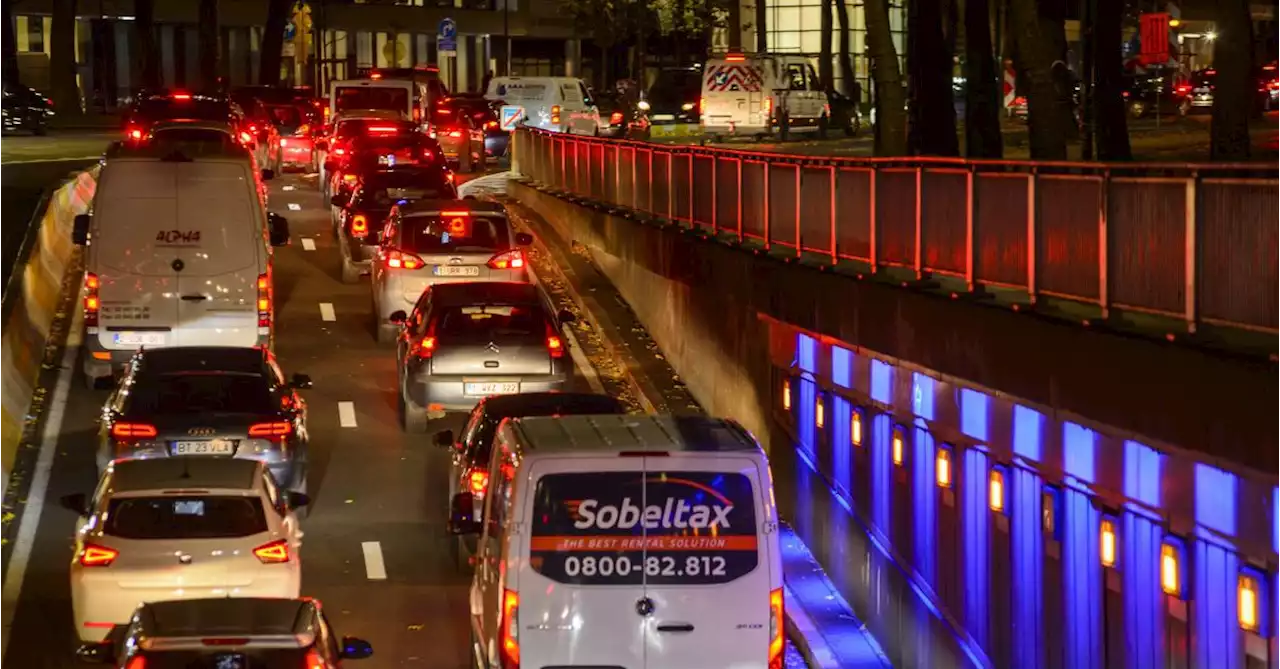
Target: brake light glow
(182, 97)
(396, 259)
(490, 125)
(273, 553)
(615, 118)
(447, 214)
(510, 629)
(314, 661)
(91, 302)
(424, 347)
(555, 113)
(455, 134)
(280, 428)
(383, 130)
(359, 226)
(478, 481)
(304, 129)
(253, 127)
(775, 628)
(264, 301)
(735, 57)
(134, 133)
(555, 347)
(138, 662)
(1183, 89)
(513, 259)
(339, 152)
(133, 431)
(93, 555)
(375, 75)
(245, 138)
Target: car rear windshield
(491, 320)
(521, 92)
(185, 517)
(187, 394)
(675, 87)
(287, 116)
(367, 97)
(664, 527)
(160, 109)
(383, 190)
(427, 234)
(191, 135)
(258, 658)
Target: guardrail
(1194, 242)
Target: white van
(558, 104)
(625, 541)
(762, 94)
(178, 254)
(397, 95)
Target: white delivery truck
(558, 104)
(760, 95)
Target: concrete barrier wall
(27, 327)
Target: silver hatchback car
(431, 242)
(466, 341)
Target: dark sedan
(362, 212)
(208, 401)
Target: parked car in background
(25, 109)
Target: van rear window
(656, 527)
(521, 92)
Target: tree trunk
(762, 34)
(826, 64)
(735, 25)
(848, 77)
(932, 114)
(208, 39)
(269, 57)
(982, 137)
(1035, 58)
(10, 70)
(62, 59)
(1109, 116)
(1233, 95)
(891, 117)
(144, 30)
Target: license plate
(486, 389)
(138, 338)
(387, 160)
(664, 117)
(1202, 91)
(209, 447)
(456, 270)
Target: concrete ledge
(31, 315)
(701, 301)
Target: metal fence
(1192, 242)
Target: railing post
(693, 220)
(969, 209)
(671, 189)
(835, 257)
(919, 254)
(767, 206)
(650, 173)
(715, 197)
(1104, 247)
(873, 255)
(564, 168)
(1032, 241)
(1191, 286)
(738, 161)
(799, 241)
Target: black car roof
(223, 616)
(202, 359)
(483, 292)
(551, 403)
(429, 207)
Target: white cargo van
(558, 104)
(761, 95)
(396, 95)
(625, 541)
(178, 254)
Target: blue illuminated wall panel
(976, 520)
(1217, 636)
(1141, 537)
(924, 503)
(1027, 548)
(1081, 571)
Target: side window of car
(795, 73)
(586, 95)
(814, 83)
(273, 493)
(469, 432)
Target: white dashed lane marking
(347, 414)
(294, 206)
(308, 244)
(374, 567)
(287, 188)
(326, 312)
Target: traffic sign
(511, 116)
(1010, 88)
(447, 36)
(1155, 38)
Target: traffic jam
(371, 419)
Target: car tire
(350, 273)
(412, 417)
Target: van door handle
(675, 627)
(195, 298)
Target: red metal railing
(1195, 242)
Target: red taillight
(478, 481)
(303, 130)
(93, 555)
(273, 553)
(253, 127)
(133, 431)
(555, 347)
(134, 134)
(510, 629)
(513, 259)
(1183, 89)
(555, 113)
(735, 57)
(359, 226)
(427, 155)
(776, 622)
(339, 151)
(280, 428)
(395, 259)
(182, 96)
(91, 301)
(489, 125)
(615, 118)
(455, 134)
(423, 348)
(383, 130)
(264, 301)
(138, 662)
(314, 660)
(245, 138)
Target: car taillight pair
(264, 300)
(359, 226)
(95, 555)
(555, 113)
(91, 302)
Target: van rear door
(584, 578)
(218, 236)
(137, 284)
(733, 94)
(708, 564)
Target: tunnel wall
(1131, 432)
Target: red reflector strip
(100, 625)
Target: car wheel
(412, 417)
(96, 382)
(350, 273)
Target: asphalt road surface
(57, 145)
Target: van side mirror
(268, 174)
(567, 316)
(80, 229)
(103, 652)
(399, 317)
(300, 382)
(297, 500)
(524, 239)
(78, 502)
(278, 227)
(444, 438)
(462, 514)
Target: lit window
(819, 416)
(786, 395)
(897, 446)
(996, 490)
(1107, 543)
(943, 467)
(855, 428)
(1248, 600)
(1170, 569)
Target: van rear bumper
(98, 361)
(739, 129)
